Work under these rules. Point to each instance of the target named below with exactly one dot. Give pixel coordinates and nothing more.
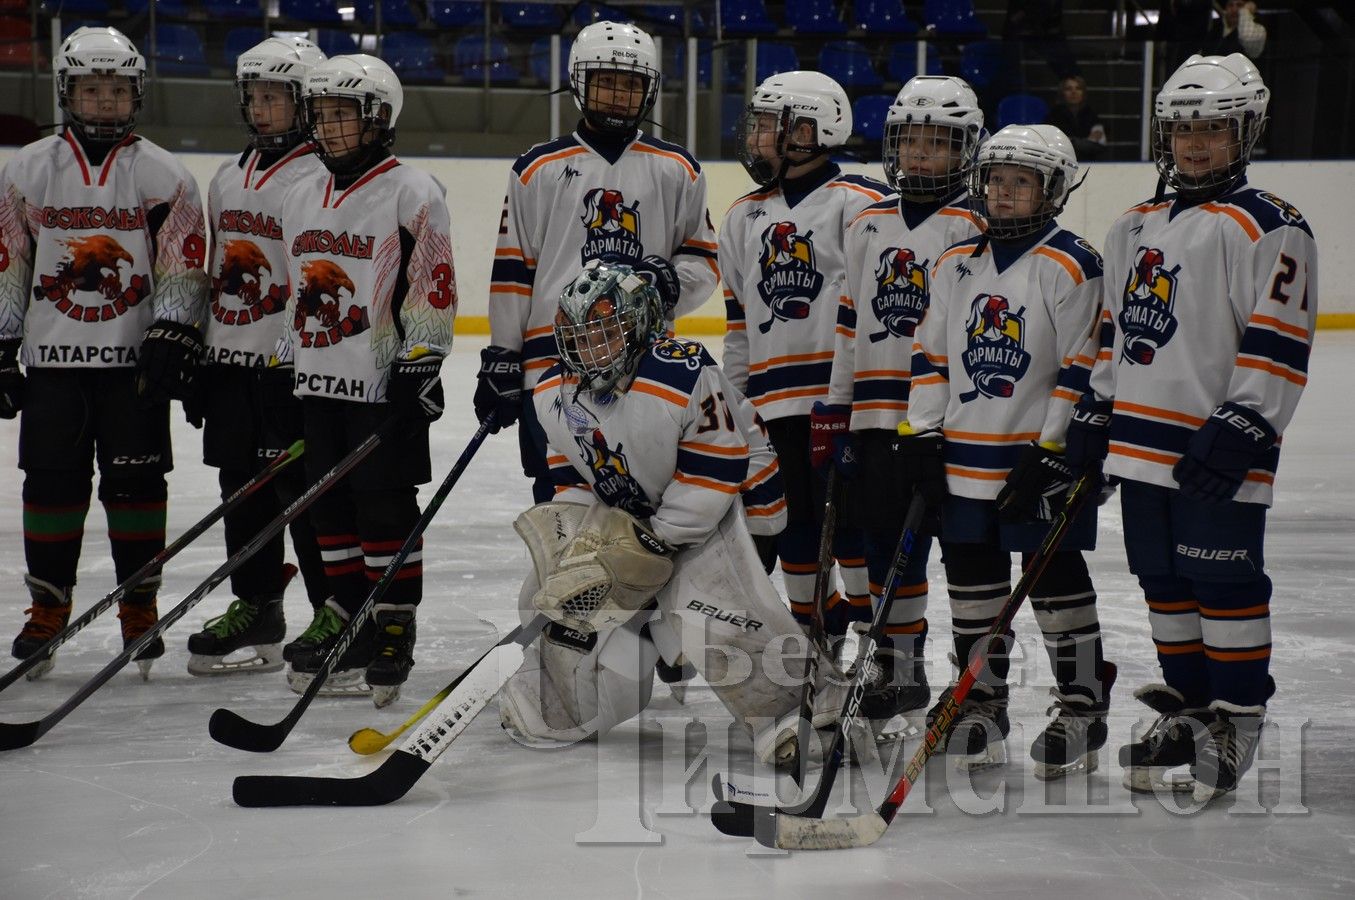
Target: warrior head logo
(612, 482)
(790, 278)
(901, 293)
(93, 264)
(995, 357)
(1147, 319)
(612, 229)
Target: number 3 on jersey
(443, 290)
(714, 409)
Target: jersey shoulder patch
(674, 364)
(863, 181)
(667, 147)
(1082, 253)
(1269, 211)
(564, 142)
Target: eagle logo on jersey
(612, 228)
(93, 264)
(1147, 319)
(902, 293)
(790, 279)
(322, 283)
(241, 275)
(688, 353)
(612, 482)
(995, 358)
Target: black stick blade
(730, 816)
(19, 734)
(387, 784)
(233, 730)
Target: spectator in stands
(1201, 26)
(1236, 31)
(1038, 24)
(1074, 117)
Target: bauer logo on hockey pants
(720, 615)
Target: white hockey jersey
(568, 204)
(669, 448)
(1004, 351)
(248, 266)
(1204, 304)
(371, 276)
(783, 267)
(890, 248)
(91, 255)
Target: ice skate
(1170, 742)
(139, 616)
(676, 676)
(896, 693)
(307, 654)
(1234, 736)
(1072, 741)
(256, 624)
(979, 738)
(392, 654)
(50, 612)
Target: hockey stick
(746, 819)
(233, 730)
(38, 661)
(23, 734)
(366, 741)
(470, 694)
(798, 832)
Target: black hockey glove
(168, 362)
(1037, 487)
(415, 387)
(11, 379)
(1221, 453)
(499, 386)
(920, 462)
(660, 273)
(1088, 434)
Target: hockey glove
(830, 440)
(168, 362)
(660, 273)
(415, 387)
(11, 379)
(920, 462)
(1037, 487)
(1220, 454)
(498, 387)
(1088, 433)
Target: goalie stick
(470, 694)
(799, 832)
(13, 735)
(740, 819)
(234, 730)
(40, 660)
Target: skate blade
(992, 755)
(144, 667)
(40, 669)
(267, 658)
(1157, 779)
(1053, 771)
(1204, 793)
(904, 725)
(384, 695)
(348, 683)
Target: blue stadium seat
(412, 56)
(73, 8)
(178, 51)
(469, 60)
(453, 13)
(981, 62)
(314, 12)
(849, 64)
(676, 73)
(868, 115)
(883, 17)
(772, 57)
(587, 13)
(335, 42)
(1021, 109)
(170, 9)
(814, 17)
(534, 16)
(955, 17)
(539, 60)
(745, 17)
(731, 110)
(238, 40)
(232, 9)
(393, 12)
(902, 63)
(668, 19)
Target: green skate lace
(325, 625)
(237, 617)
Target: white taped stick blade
(802, 833)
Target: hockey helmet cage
(614, 47)
(608, 317)
(931, 102)
(99, 51)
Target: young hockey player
(782, 257)
(645, 553)
(369, 322)
(932, 131)
(1001, 356)
(248, 408)
(606, 191)
(102, 297)
(1190, 401)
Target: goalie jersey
(783, 265)
(91, 255)
(371, 277)
(675, 447)
(890, 249)
(1005, 350)
(568, 204)
(1204, 304)
(248, 258)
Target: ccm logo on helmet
(1209, 553)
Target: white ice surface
(129, 797)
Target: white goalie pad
(611, 568)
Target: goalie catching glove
(613, 567)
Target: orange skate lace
(137, 619)
(45, 621)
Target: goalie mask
(614, 76)
(608, 317)
(270, 79)
(1206, 121)
(101, 79)
(1022, 179)
(352, 104)
(932, 132)
(805, 113)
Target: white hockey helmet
(614, 47)
(1224, 89)
(100, 51)
(608, 317)
(791, 100)
(1043, 149)
(285, 60)
(377, 90)
(937, 101)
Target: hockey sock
(289, 484)
(978, 579)
(385, 519)
(261, 574)
(798, 548)
(1235, 623)
(344, 569)
(849, 549)
(407, 588)
(1064, 603)
(55, 506)
(906, 628)
(135, 509)
(1174, 617)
